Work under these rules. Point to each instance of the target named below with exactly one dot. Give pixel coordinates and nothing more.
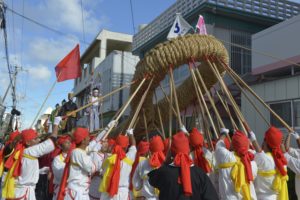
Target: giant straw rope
(175, 53)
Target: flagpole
(45, 100)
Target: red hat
(122, 141)
(28, 134)
(180, 149)
(196, 138)
(111, 142)
(197, 141)
(142, 149)
(63, 139)
(13, 135)
(240, 144)
(80, 134)
(157, 152)
(273, 138)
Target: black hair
(95, 88)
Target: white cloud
(67, 15)
(39, 73)
(49, 50)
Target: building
(231, 21)
(107, 64)
(277, 79)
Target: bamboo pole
(227, 110)
(145, 124)
(160, 118)
(244, 84)
(226, 91)
(99, 99)
(201, 101)
(167, 98)
(125, 106)
(138, 109)
(170, 111)
(249, 100)
(175, 97)
(219, 119)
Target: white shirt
(140, 180)
(126, 169)
(293, 159)
(226, 188)
(81, 168)
(58, 166)
(98, 159)
(30, 167)
(263, 185)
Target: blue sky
(38, 50)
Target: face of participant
(66, 146)
(95, 93)
(105, 146)
(33, 141)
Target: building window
(284, 110)
(296, 113)
(240, 57)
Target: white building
(107, 64)
(277, 79)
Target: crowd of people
(81, 166)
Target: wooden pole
(125, 106)
(244, 84)
(226, 91)
(160, 118)
(167, 98)
(99, 99)
(146, 126)
(175, 97)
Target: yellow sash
(109, 165)
(238, 177)
(279, 183)
(8, 190)
(1, 168)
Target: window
(297, 113)
(284, 110)
(241, 57)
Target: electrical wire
(132, 17)
(82, 17)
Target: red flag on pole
(69, 67)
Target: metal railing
(277, 9)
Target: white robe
(123, 191)
(141, 183)
(293, 159)
(79, 180)
(263, 185)
(58, 166)
(226, 188)
(98, 159)
(26, 182)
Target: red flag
(69, 67)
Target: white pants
(122, 195)
(25, 192)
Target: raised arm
(132, 141)
(252, 138)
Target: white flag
(180, 27)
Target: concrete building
(231, 21)
(107, 64)
(277, 78)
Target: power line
(45, 26)
(82, 17)
(132, 17)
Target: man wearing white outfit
(226, 160)
(117, 168)
(293, 160)
(81, 164)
